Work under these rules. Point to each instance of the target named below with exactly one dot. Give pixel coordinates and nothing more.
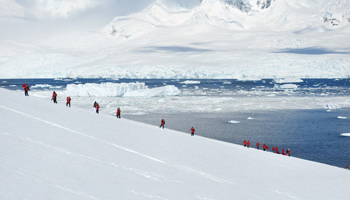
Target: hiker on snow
(257, 145)
(118, 113)
(68, 101)
(192, 131)
(244, 143)
(97, 108)
(95, 103)
(248, 143)
(54, 96)
(26, 89)
(162, 123)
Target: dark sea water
(212, 86)
(310, 134)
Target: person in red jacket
(276, 148)
(192, 131)
(264, 147)
(54, 96)
(97, 108)
(273, 149)
(248, 143)
(118, 113)
(347, 166)
(244, 143)
(283, 152)
(162, 123)
(68, 101)
(26, 89)
(257, 145)
(288, 151)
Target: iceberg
(191, 82)
(331, 107)
(340, 117)
(285, 86)
(169, 90)
(234, 122)
(103, 89)
(288, 80)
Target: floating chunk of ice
(285, 86)
(191, 82)
(103, 89)
(288, 80)
(168, 90)
(331, 107)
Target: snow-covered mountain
(248, 39)
(50, 151)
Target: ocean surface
(309, 134)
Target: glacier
(172, 39)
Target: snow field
(50, 151)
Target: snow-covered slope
(50, 151)
(248, 39)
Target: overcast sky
(27, 19)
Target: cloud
(63, 8)
(38, 19)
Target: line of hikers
(69, 99)
(266, 148)
(162, 123)
(96, 106)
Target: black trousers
(68, 103)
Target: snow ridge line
(88, 136)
